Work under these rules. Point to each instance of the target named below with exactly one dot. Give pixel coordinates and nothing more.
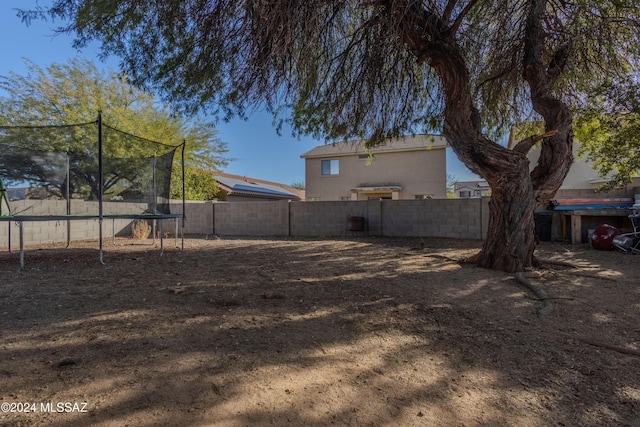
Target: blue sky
(254, 146)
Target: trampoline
(86, 172)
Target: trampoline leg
(9, 236)
(161, 238)
(68, 233)
(21, 246)
(101, 257)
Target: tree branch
(420, 43)
(458, 21)
(559, 61)
(525, 145)
(496, 76)
(448, 10)
(556, 153)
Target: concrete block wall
(38, 207)
(78, 207)
(46, 232)
(57, 231)
(198, 217)
(325, 218)
(251, 218)
(373, 218)
(81, 207)
(453, 218)
(34, 233)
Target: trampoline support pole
(21, 246)
(184, 194)
(9, 236)
(68, 197)
(101, 257)
(100, 183)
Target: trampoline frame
(20, 219)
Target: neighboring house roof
(405, 143)
(472, 185)
(237, 185)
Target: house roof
(473, 185)
(238, 185)
(405, 143)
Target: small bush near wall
(140, 229)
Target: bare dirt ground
(346, 332)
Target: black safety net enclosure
(86, 171)
(135, 170)
(89, 162)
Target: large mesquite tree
(377, 69)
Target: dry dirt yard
(344, 332)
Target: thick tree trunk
(556, 154)
(516, 191)
(510, 241)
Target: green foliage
(77, 91)
(608, 129)
(346, 69)
(298, 185)
(199, 185)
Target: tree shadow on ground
(315, 332)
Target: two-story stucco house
(583, 180)
(471, 189)
(411, 167)
(578, 207)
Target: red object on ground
(602, 238)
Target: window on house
(424, 196)
(330, 167)
(465, 194)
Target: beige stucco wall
(583, 181)
(418, 172)
(581, 175)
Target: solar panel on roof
(263, 190)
